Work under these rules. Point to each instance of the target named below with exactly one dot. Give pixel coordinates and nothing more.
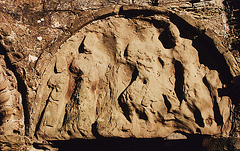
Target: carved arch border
(196, 26)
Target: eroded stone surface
(132, 79)
(11, 110)
(122, 71)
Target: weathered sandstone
(130, 77)
(125, 71)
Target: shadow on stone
(194, 142)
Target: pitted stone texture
(129, 77)
(11, 110)
(12, 127)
